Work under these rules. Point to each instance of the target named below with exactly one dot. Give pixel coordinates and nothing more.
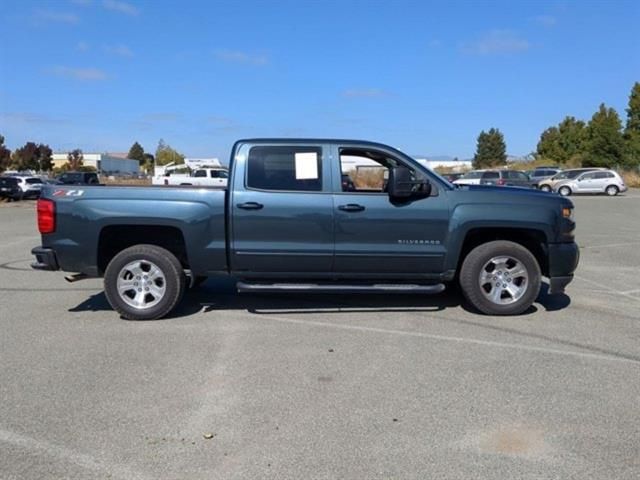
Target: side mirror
(402, 186)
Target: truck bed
(101, 216)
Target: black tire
(564, 191)
(612, 190)
(173, 280)
(472, 268)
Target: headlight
(567, 212)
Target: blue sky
(425, 77)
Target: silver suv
(600, 181)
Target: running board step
(339, 288)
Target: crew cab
(288, 221)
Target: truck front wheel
(144, 282)
(500, 278)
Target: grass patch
(631, 179)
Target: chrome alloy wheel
(503, 280)
(141, 284)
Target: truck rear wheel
(500, 278)
(144, 282)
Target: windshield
(567, 174)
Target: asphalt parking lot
(324, 387)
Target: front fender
(468, 217)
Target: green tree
(136, 152)
(632, 129)
(605, 146)
(491, 149)
(549, 144)
(165, 154)
(564, 143)
(633, 112)
(5, 155)
(74, 160)
(32, 156)
(25, 157)
(149, 162)
(45, 158)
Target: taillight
(46, 215)
(501, 181)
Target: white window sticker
(307, 166)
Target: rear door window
(491, 175)
(603, 175)
(285, 168)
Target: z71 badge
(68, 193)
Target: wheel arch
(532, 239)
(115, 238)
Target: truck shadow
(220, 294)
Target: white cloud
(364, 93)
(497, 42)
(545, 20)
(121, 7)
(49, 16)
(83, 46)
(120, 50)
(83, 74)
(236, 56)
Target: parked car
(470, 178)
(600, 181)
(452, 177)
(503, 178)
(506, 178)
(542, 173)
(286, 224)
(10, 189)
(78, 178)
(548, 184)
(29, 185)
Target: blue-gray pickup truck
(311, 215)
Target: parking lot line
(604, 288)
(67, 455)
(612, 245)
(446, 338)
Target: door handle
(250, 206)
(351, 207)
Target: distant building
(102, 162)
